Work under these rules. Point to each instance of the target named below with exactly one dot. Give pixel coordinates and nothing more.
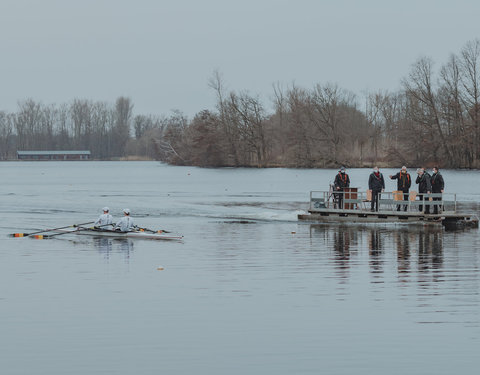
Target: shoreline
(319, 166)
(269, 166)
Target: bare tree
(207, 141)
(328, 115)
(470, 78)
(300, 136)
(248, 116)
(123, 116)
(424, 109)
(6, 135)
(225, 119)
(452, 106)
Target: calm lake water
(249, 291)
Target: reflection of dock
(354, 208)
(418, 249)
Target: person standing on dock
(404, 182)
(104, 220)
(376, 184)
(341, 182)
(125, 224)
(424, 187)
(438, 186)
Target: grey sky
(162, 53)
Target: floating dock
(354, 207)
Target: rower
(104, 220)
(125, 224)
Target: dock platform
(326, 207)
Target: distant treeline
(433, 119)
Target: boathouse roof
(66, 152)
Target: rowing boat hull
(114, 234)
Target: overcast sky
(161, 53)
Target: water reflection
(375, 246)
(103, 245)
(408, 247)
(430, 250)
(430, 258)
(435, 270)
(402, 245)
(345, 242)
(106, 246)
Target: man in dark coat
(376, 184)
(424, 187)
(341, 182)
(438, 186)
(404, 182)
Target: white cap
(126, 211)
(105, 209)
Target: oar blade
(18, 235)
(46, 236)
(49, 230)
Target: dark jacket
(437, 183)
(404, 181)
(376, 183)
(424, 184)
(342, 181)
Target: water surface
(250, 290)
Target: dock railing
(322, 201)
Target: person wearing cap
(404, 181)
(376, 184)
(438, 186)
(104, 220)
(341, 182)
(125, 224)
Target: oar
(152, 231)
(46, 236)
(78, 226)
(48, 230)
